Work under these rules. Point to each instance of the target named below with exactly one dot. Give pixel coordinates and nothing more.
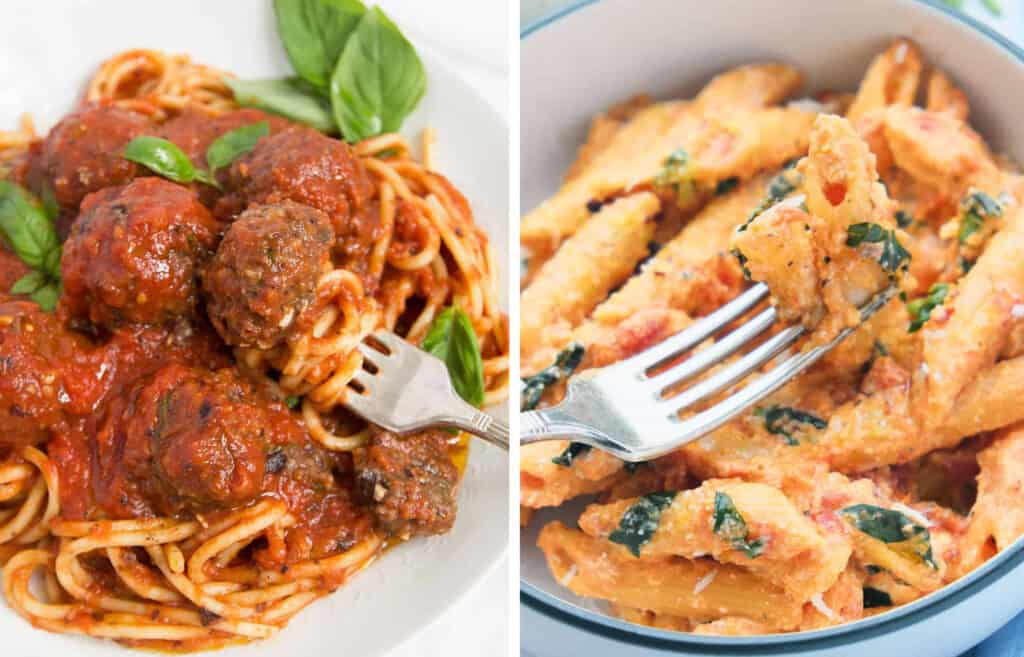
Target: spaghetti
(197, 581)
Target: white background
(473, 37)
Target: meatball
(42, 370)
(264, 274)
(193, 132)
(133, 256)
(305, 166)
(188, 440)
(82, 154)
(410, 482)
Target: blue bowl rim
(776, 644)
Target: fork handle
(479, 424)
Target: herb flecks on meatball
(264, 275)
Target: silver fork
(412, 390)
(623, 408)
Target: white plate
(48, 50)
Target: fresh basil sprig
(357, 73)
(893, 528)
(285, 98)
(640, 521)
(165, 159)
(229, 146)
(378, 81)
(920, 310)
(30, 234)
(452, 339)
(314, 33)
(730, 526)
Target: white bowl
(48, 51)
(578, 62)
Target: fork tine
(714, 417)
(737, 370)
(389, 340)
(715, 353)
(698, 331)
(370, 354)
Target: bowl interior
(576, 65)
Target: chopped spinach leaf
(729, 525)
(892, 527)
(675, 174)
(640, 521)
(784, 421)
(975, 208)
(565, 364)
(726, 186)
(894, 256)
(876, 598)
(570, 453)
(920, 310)
(779, 187)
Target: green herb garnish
(452, 339)
(726, 186)
(876, 598)
(165, 159)
(743, 262)
(675, 173)
(784, 421)
(357, 73)
(229, 146)
(292, 402)
(570, 453)
(893, 528)
(29, 232)
(779, 187)
(920, 310)
(975, 208)
(640, 521)
(565, 364)
(894, 256)
(729, 525)
(903, 219)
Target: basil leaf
(876, 598)
(378, 81)
(640, 521)
(229, 146)
(920, 310)
(570, 453)
(29, 283)
(730, 526)
(314, 33)
(47, 296)
(892, 527)
(565, 364)
(452, 339)
(161, 157)
(284, 97)
(48, 197)
(784, 421)
(27, 229)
